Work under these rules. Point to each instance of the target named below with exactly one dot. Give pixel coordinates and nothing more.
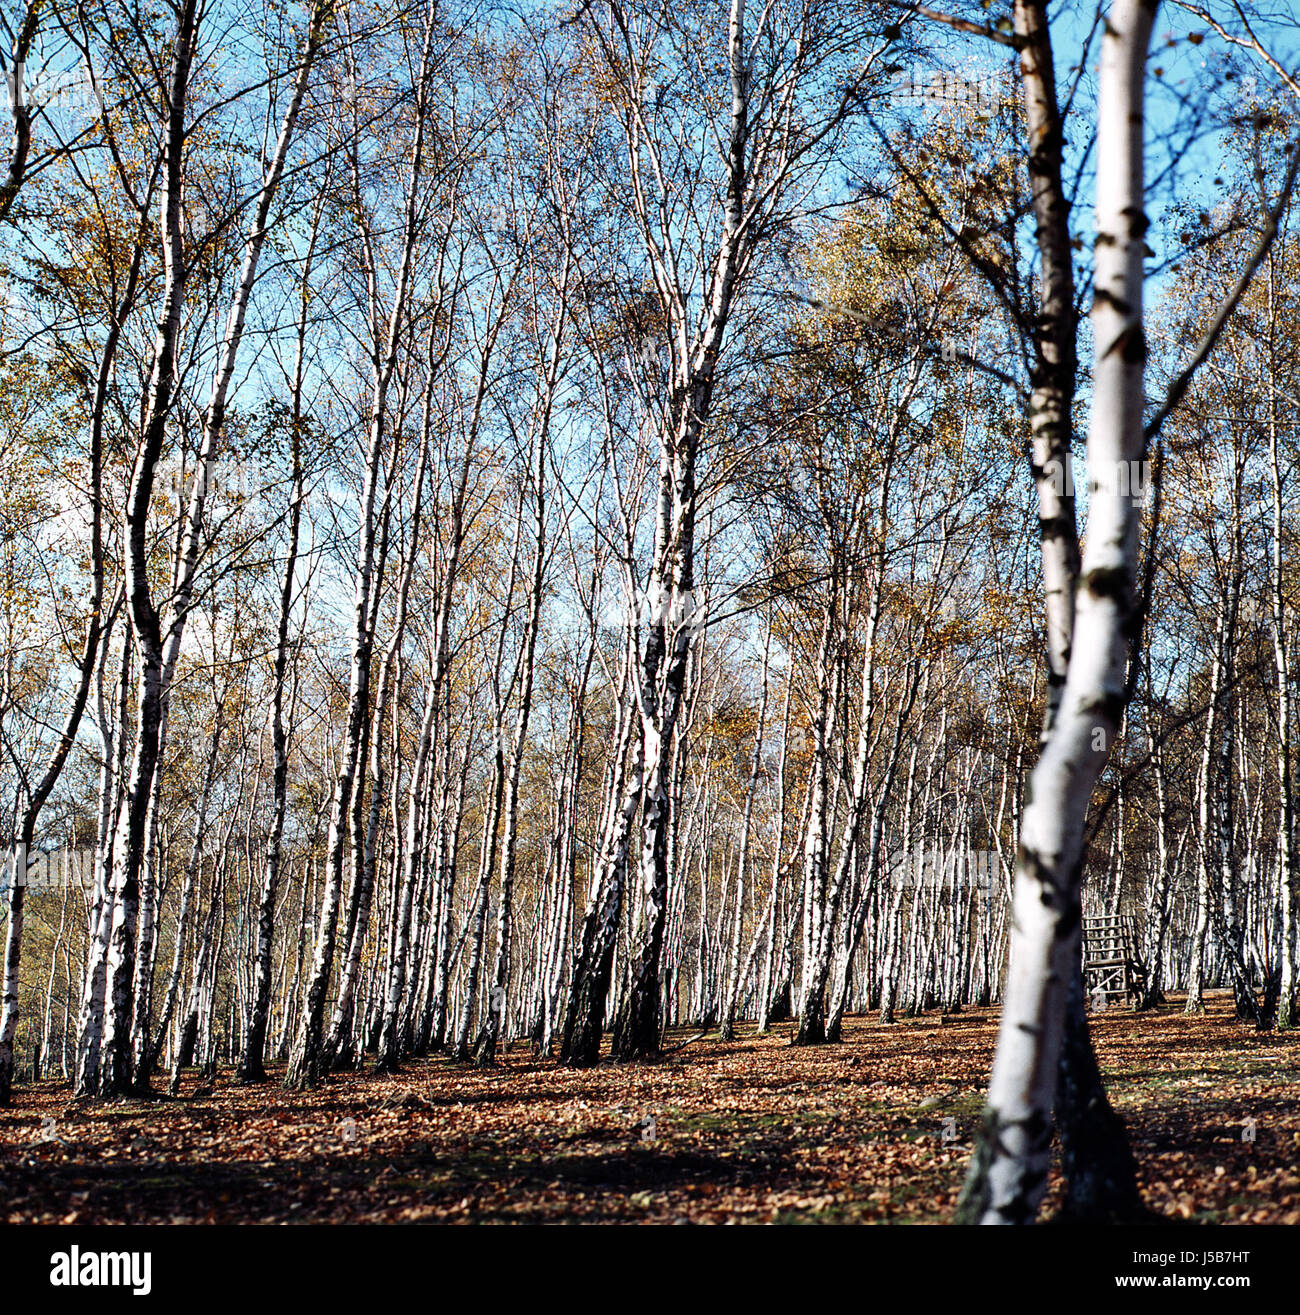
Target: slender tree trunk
(1009, 1171)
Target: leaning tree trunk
(1054, 381)
(1008, 1173)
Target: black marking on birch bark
(1115, 302)
(1113, 582)
(1021, 1208)
(1071, 915)
(1053, 893)
(1138, 222)
(1131, 345)
(1037, 1125)
(1044, 154)
(975, 1199)
(1109, 707)
(1051, 528)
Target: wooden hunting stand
(1110, 963)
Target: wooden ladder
(1111, 968)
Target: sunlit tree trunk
(1008, 1173)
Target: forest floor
(876, 1129)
